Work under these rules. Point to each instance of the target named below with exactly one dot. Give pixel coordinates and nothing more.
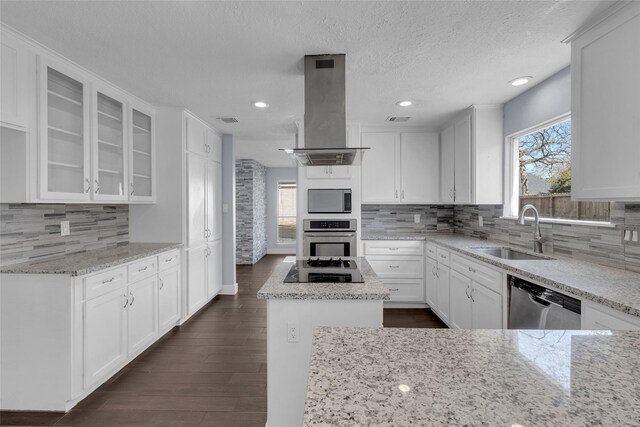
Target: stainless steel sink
(512, 254)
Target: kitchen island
(294, 310)
(425, 377)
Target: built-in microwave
(329, 200)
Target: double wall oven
(329, 238)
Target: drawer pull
(394, 266)
(140, 270)
(104, 282)
(394, 249)
(394, 289)
(466, 291)
(443, 256)
(473, 270)
(132, 299)
(126, 300)
(161, 283)
(168, 259)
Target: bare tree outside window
(286, 212)
(544, 157)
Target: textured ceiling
(215, 58)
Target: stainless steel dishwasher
(534, 307)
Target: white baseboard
(389, 304)
(229, 289)
(281, 251)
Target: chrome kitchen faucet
(537, 237)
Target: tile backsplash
(399, 218)
(32, 231)
(601, 245)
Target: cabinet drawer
(397, 267)
(393, 247)
(478, 272)
(600, 318)
(411, 290)
(106, 281)
(168, 260)
(431, 250)
(442, 256)
(143, 269)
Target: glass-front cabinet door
(109, 149)
(141, 182)
(64, 100)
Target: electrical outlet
(480, 221)
(630, 235)
(64, 228)
(416, 218)
(292, 333)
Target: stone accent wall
(32, 231)
(399, 218)
(251, 211)
(601, 245)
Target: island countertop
(423, 377)
(81, 263)
(371, 289)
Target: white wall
(273, 176)
(228, 211)
(548, 99)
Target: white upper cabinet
(400, 167)
(472, 157)
(379, 166)
(109, 156)
(419, 167)
(605, 149)
(14, 83)
(214, 141)
(326, 172)
(142, 163)
(196, 136)
(65, 142)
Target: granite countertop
(81, 263)
(371, 289)
(612, 287)
(402, 377)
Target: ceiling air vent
(228, 119)
(397, 119)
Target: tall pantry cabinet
(189, 203)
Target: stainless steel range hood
(325, 123)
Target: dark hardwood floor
(211, 371)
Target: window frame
(278, 240)
(512, 177)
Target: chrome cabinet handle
(168, 259)
(394, 266)
(86, 190)
(443, 256)
(466, 291)
(402, 193)
(108, 280)
(473, 270)
(142, 269)
(437, 272)
(451, 194)
(394, 249)
(161, 283)
(132, 188)
(396, 192)
(132, 299)
(97, 185)
(394, 290)
(433, 271)
(126, 300)
(471, 296)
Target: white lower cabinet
(196, 278)
(105, 335)
(599, 317)
(443, 274)
(168, 298)
(476, 295)
(431, 283)
(142, 319)
(400, 266)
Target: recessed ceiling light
(260, 104)
(404, 103)
(520, 81)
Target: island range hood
(325, 123)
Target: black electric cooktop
(324, 271)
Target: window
(541, 175)
(286, 212)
